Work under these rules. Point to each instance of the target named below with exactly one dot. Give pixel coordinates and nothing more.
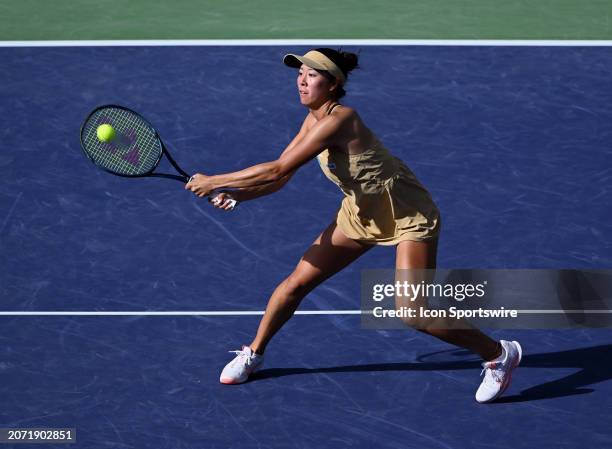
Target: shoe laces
(494, 370)
(243, 357)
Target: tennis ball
(105, 133)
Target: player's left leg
(422, 255)
(500, 357)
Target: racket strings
(135, 151)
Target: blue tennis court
(512, 142)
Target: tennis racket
(135, 150)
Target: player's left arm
(320, 136)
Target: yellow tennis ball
(105, 133)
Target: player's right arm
(249, 193)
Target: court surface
(512, 142)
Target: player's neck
(323, 110)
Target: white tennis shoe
(498, 372)
(244, 364)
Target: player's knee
(411, 316)
(296, 286)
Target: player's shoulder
(340, 116)
(343, 115)
(344, 111)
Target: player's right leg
(330, 253)
(500, 358)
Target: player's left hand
(200, 184)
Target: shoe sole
(508, 379)
(231, 381)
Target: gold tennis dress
(384, 202)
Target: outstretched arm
(250, 193)
(315, 138)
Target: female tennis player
(384, 204)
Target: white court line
(245, 312)
(170, 313)
(310, 42)
(564, 311)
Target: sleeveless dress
(383, 203)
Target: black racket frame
(183, 177)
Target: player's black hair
(345, 61)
